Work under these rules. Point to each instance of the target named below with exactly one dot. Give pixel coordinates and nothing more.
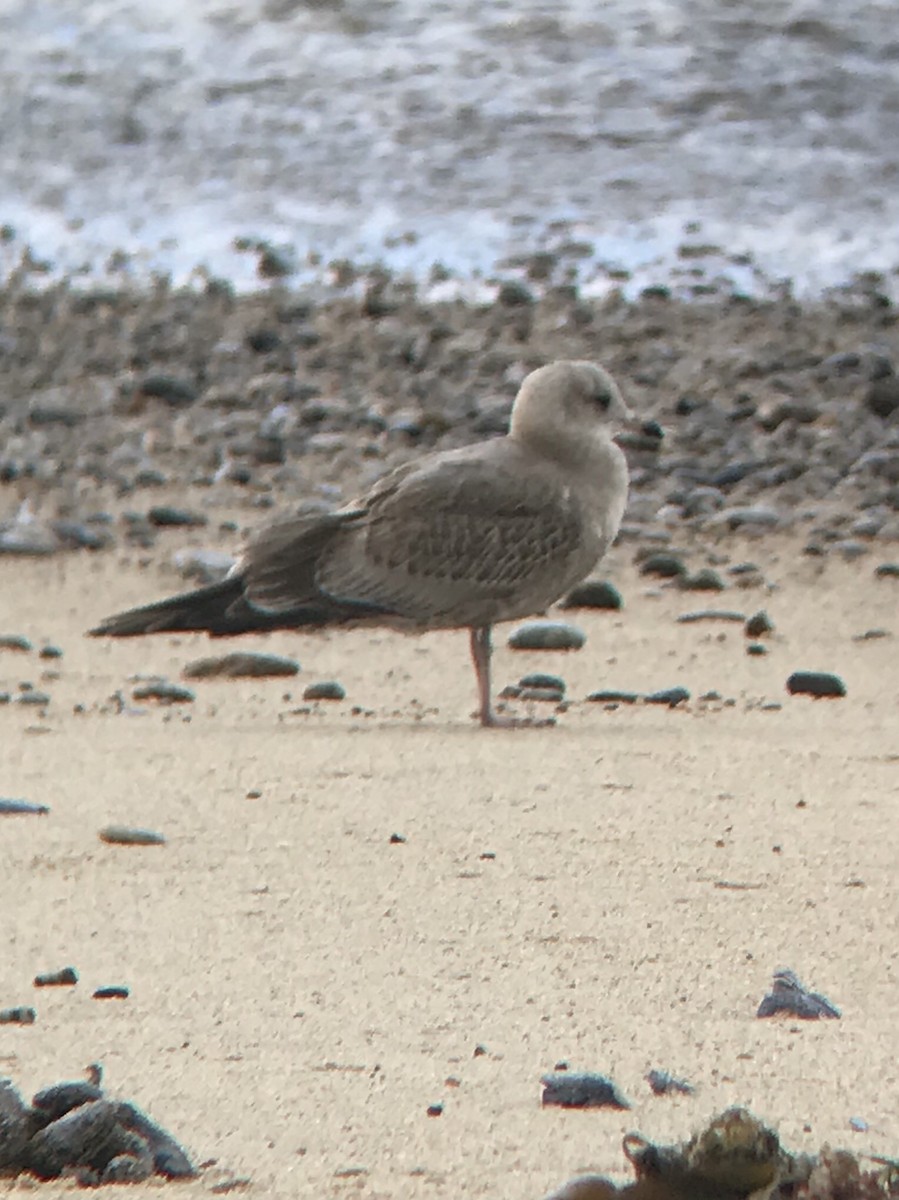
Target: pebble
(241, 664)
(788, 997)
(325, 689)
(612, 697)
(113, 992)
(175, 390)
(164, 515)
(670, 696)
(705, 580)
(664, 1084)
(710, 614)
(65, 976)
(756, 650)
(21, 807)
(754, 517)
(164, 692)
(546, 635)
(815, 683)
(33, 697)
(581, 1089)
(871, 635)
(593, 593)
(17, 1016)
(15, 641)
(205, 566)
(889, 570)
(663, 564)
(537, 679)
(126, 835)
(48, 652)
(758, 625)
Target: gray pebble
(663, 564)
(165, 515)
(124, 835)
(176, 391)
(756, 650)
(14, 808)
(49, 652)
(17, 1016)
(705, 580)
(241, 664)
(581, 1089)
(710, 614)
(663, 1084)
(872, 635)
(753, 517)
(613, 697)
(758, 625)
(882, 397)
(546, 635)
(546, 695)
(670, 696)
(593, 593)
(114, 991)
(63, 977)
(164, 692)
(789, 997)
(38, 699)
(887, 571)
(815, 683)
(15, 641)
(537, 679)
(325, 689)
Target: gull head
(572, 404)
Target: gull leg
(481, 650)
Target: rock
(710, 614)
(581, 1090)
(664, 1084)
(11, 808)
(756, 650)
(15, 641)
(55, 1101)
(176, 391)
(705, 580)
(77, 535)
(749, 517)
(32, 696)
(815, 683)
(614, 697)
(165, 515)
(882, 396)
(50, 652)
(125, 835)
(65, 976)
(241, 664)
(169, 1158)
(206, 566)
(593, 593)
(537, 679)
(663, 564)
(546, 635)
(15, 1128)
(788, 997)
(758, 625)
(17, 1016)
(670, 696)
(164, 692)
(887, 571)
(512, 294)
(88, 1136)
(115, 991)
(326, 689)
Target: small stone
(756, 650)
(882, 397)
(435, 1110)
(757, 517)
(710, 614)
(788, 997)
(164, 515)
(64, 977)
(872, 635)
(164, 692)
(815, 683)
(887, 571)
(17, 1016)
(758, 625)
(663, 1084)
(546, 635)
(578, 1089)
(15, 641)
(663, 564)
(705, 580)
(176, 392)
(537, 679)
(670, 696)
(593, 593)
(326, 689)
(113, 992)
(513, 294)
(241, 664)
(206, 566)
(397, 839)
(610, 696)
(545, 695)
(125, 835)
(49, 652)
(33, 697)
(14, 808)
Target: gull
(463, 538)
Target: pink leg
(481, 650)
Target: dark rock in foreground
(593, 593)
(581, 1089)
(815, 683)
(546, 635)
(788, 997)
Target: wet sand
(614, 892)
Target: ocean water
(463, 133)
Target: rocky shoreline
(779, 414)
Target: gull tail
(219, 609)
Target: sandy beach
(613, 893)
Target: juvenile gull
(460, 538)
